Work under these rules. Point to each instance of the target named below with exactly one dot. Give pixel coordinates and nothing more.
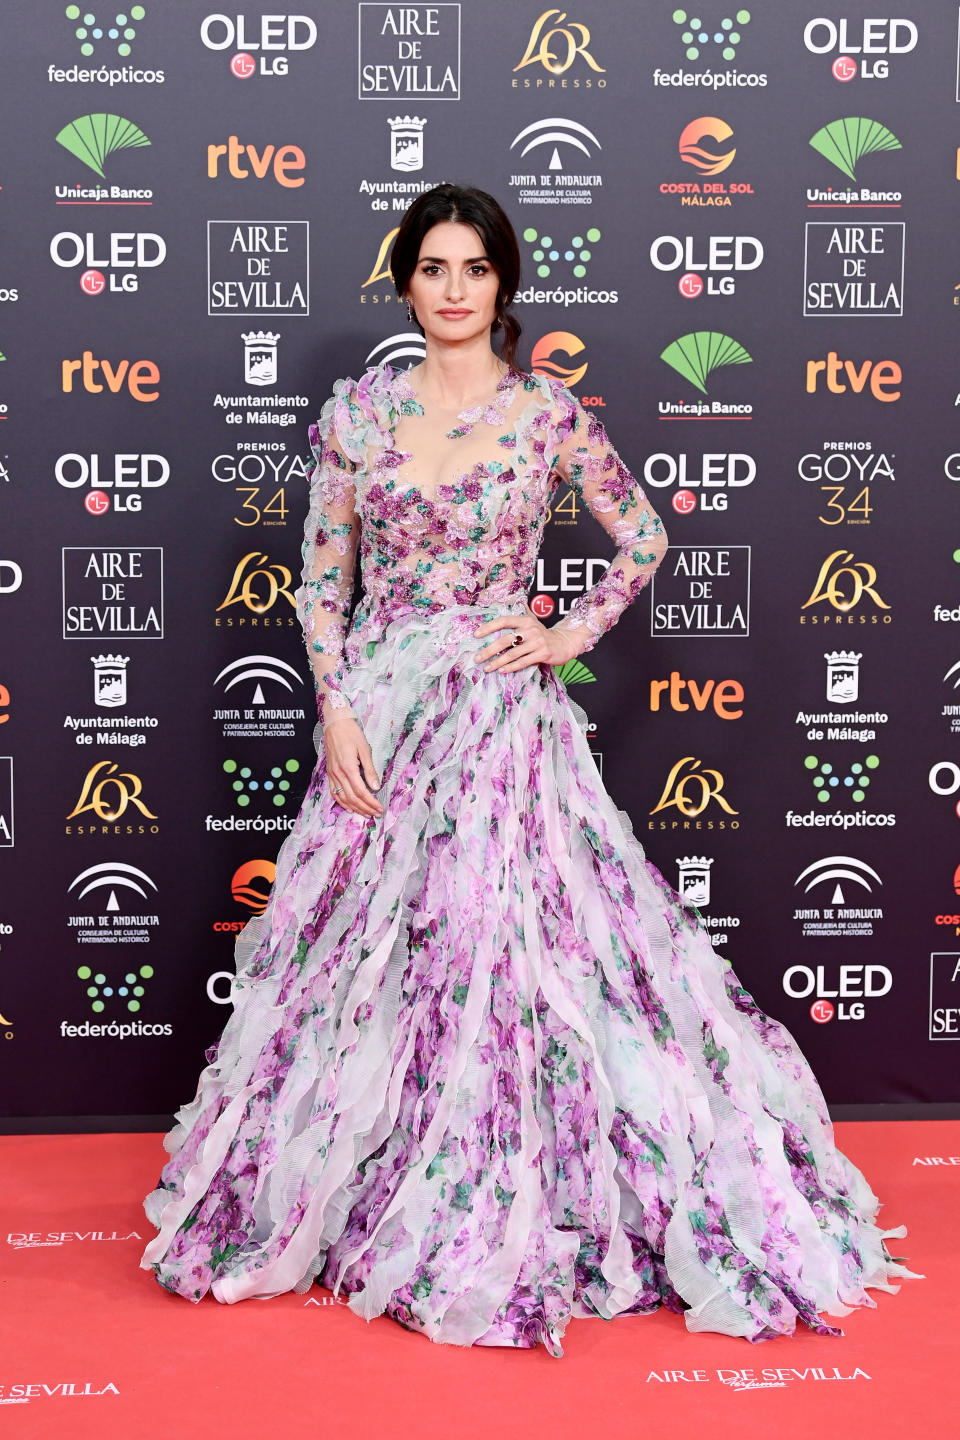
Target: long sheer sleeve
(588, 463)
(331, 538)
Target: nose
(454, 287)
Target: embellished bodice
(458, 520)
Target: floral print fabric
(484, 1070)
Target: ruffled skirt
(484, 1069)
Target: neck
(455, 376)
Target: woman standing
(485, 1070)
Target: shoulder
(354, 408)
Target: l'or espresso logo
(557, 45)
(258, 268)
(691, 789)
(409, 52)
(114, 591)
(261, 43)
(853, 270)
(710, 266)
(861, 47)
(140, 378)
(843, 585)
(880, 378)
(702, 591)
(126, 477)
(705, 483)
(256, 587)
(107, 795)
(847, 473)
(380, 273)
(112, 262)
(704, 147)
(284, 163)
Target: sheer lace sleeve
(594, 471)
(331, 538)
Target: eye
(479, 270)
(430, 268)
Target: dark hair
(465, 205)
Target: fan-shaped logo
(845, 142)
(112, 876)
(402, 351)
(251, 884)
(257, 668)
(697, 355)
(836, 870)
(555, 132)
(92, 138)
(542, 361)
(111, 30)
(693, 150)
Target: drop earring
(409, 313)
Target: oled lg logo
(703, 484)
(122, 253)
(944, 779)
(712, 267)
(125, 476)
(849, 985)
(861, 47)
(262, 44)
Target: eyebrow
(439, 260)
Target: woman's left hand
(541, 645)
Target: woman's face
(453, 288)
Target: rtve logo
(136, 376)
(726, 696)
(282, 160)
(555, 46)
(874, 37)
(842, 375)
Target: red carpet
(92, 1346)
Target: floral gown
(484, 1069)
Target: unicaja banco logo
(698, 36)
(845, 142)
(697, 355)
(576, 254)
(111, 29)
(556, 45)
(91, 138)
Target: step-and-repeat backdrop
(738, 231)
